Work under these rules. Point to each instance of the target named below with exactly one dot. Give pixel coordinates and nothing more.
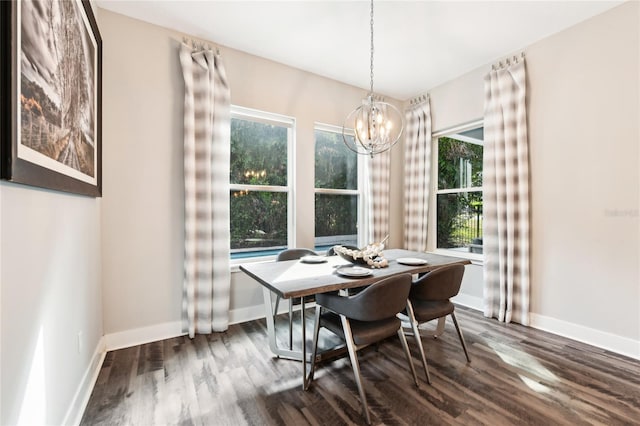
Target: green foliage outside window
(258, 219)
(336, 165)
(257, 148)
(336, 215)
(459, 214)
(258, 157)
(336, 168)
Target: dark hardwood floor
(517, 376)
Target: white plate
(313, 259)
(354, 271)
(412, 261)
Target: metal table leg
(292, 354)
(271, 330)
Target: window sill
(475, 258)
(234, 264)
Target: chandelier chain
(371, 24)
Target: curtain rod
(199, 45)
(419, 100)
(508, 61)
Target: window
(459, 188)
(337, 190)
(260, 182)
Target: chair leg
(405, 347)
(356, 367)
(290, 324)
(314, 349)
(416, 334)
(464, 346)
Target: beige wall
(142, 175)
(458, 101)
(142, 129)
(583, 124)
(583, 112)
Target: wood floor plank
(517, 375)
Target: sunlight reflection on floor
(523, 361)
(534, 386)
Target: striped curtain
(506, 194)
(378, 212)
(417, 175)
(206, 191)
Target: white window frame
(452, 132)
(360, 183)
(289, 123)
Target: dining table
(295, 279)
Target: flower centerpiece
(371, 255)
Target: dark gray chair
(293, 254)
(331, 252)
(363, 319)
(429, 300)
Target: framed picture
(51, 95)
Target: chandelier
(377, 125)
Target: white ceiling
(418, 44)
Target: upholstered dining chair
(363, 319)
(429, 300)
(293, 254)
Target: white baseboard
(168, 330)
(611, 342)
(140, 336)
(81, 397)
(472, 302)
(250, 313)
(614, 343)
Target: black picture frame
(51, 95)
